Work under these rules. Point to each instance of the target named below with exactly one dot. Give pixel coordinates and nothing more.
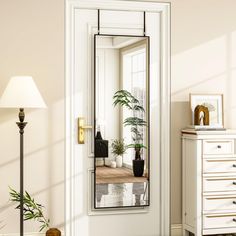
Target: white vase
(119, 161)
(113, 164)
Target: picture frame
(214, 103)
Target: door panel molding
(70, 122)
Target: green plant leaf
(125, 99)
(134, 121)
(118, 147)
(32, 210)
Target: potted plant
(33, 211)
(118, 149)
(125, 99)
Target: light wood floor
(107, 175)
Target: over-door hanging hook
(98, 21)
(144, 23)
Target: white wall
(32, 42)
(107, 83)
(203, 61)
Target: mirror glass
(121, 136)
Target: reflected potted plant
(125, 99)
(118, 149)
(33, 211)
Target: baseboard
(176, 230)
(25, 234)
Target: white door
(124, 18)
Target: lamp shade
(22, 92)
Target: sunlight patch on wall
(200, 69)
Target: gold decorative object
(53, 232)
(197, 115)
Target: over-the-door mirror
(121, 137)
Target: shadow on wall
(44, 163)
(39, 52)
(180, 118)
(206, 68)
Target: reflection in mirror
(121, 160)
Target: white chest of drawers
(209, 182)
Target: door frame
(70, 124)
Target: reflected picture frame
(214, 103)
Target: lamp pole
(21, 124)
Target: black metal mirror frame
(148, 117)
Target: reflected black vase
(138, 168)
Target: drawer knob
(234, 183)
(234, 165)
(234, 219)
(218, 146)
(234, 202)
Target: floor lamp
(21, 92)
